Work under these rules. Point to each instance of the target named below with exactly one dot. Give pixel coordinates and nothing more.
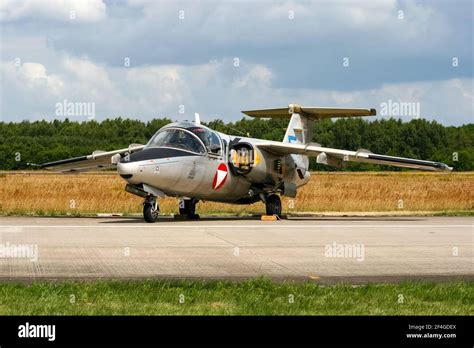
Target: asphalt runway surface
(322, 249)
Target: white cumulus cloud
(61, 10)
(215, 89)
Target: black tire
(184, 211)
(149, 213)
(273, 205)
(189, 209)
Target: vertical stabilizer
(299, 129)
(302, 118)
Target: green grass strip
(253, 297)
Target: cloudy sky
(146, 59)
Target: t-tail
(302, 118)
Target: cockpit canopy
(190, 139)
(210, 139)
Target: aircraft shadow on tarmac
(167, 219)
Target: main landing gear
(273, 205)
(151, 210)
(187, 208)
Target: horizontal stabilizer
(313, 113)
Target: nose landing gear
(151, 210)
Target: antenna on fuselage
(197, 120)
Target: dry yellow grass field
(90, 193)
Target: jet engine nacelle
(255, 165)
(242, 158)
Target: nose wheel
(151, 210)
(273, 205)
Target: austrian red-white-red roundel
(220, 176)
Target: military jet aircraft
(195, 163)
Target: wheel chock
(270, 218)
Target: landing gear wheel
(273, 205)
(187, 207)
(151, 211)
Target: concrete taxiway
(323, 249)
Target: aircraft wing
(95, 161)
(336, 157)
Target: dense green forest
(44, 141)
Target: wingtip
(33, 165)
(443, 167)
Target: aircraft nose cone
(125, 170)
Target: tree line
(45, 141)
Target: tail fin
(302, 118)
(299, 131)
